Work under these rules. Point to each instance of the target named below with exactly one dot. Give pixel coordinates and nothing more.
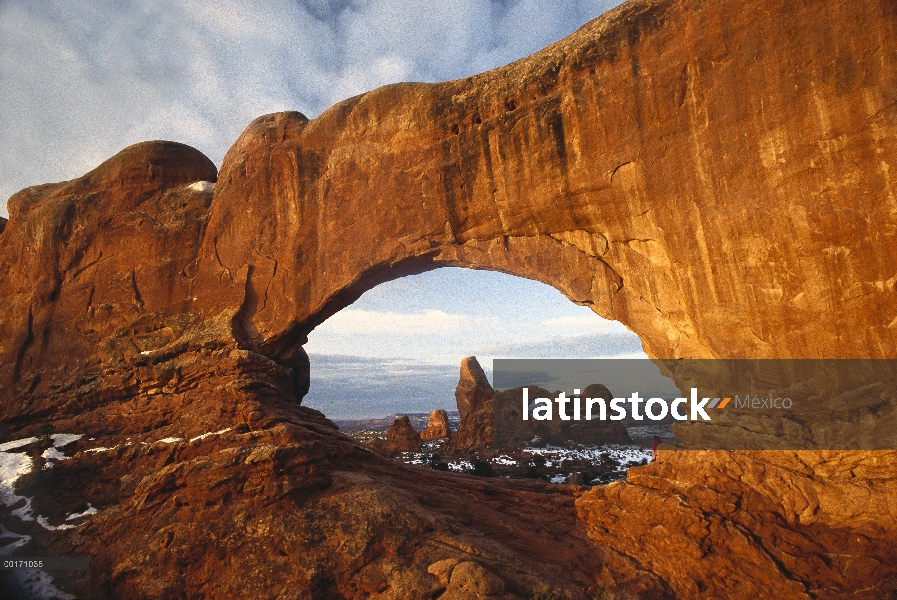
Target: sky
(79, 81)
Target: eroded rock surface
(437, 426)
(718, 176)
(402, 437)
(474, 396)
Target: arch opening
(396, 351)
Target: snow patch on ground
(625, 455)
(34, 585)
(170, 440)
(461, 465)
(28, 583)
(12, 466)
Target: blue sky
(79, 81)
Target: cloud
(80, 81)
(439, 337)
(434, 322)
(604, 345)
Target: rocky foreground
(718, 176)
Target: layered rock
(437, 426)
(474, 397)
(714, 175)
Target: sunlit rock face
(437, 426)
(474, 398)
(715, 175)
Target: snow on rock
(202, 186)
(16, 444)
(52, 453)
(170, 440)
(42, 521)
(115, 447)
(90, 511)
(62, 439)
(18, 540)
(205, 435)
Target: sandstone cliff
(714, 175)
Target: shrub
(483, 468)
(43, 431)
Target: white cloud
(80, 81)
(434, 322)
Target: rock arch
(715, 175)
(674, 181)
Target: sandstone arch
(640, 166)
(715, 175)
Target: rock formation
(474, 398)
(717, 176)
(401, 437)
(437, 426)
(509, 428)
(597, 432)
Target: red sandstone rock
(474, 397)
(715, 175)
(402, 437)
(437, 426)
